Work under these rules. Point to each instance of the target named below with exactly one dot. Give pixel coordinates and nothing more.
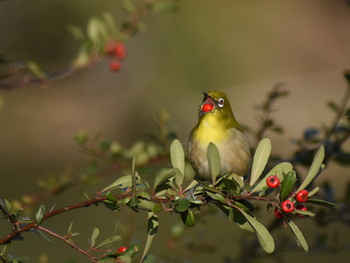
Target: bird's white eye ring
(221, 102)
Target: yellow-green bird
(217, 124)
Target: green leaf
(188, 218)
(264, 237)
(278, 170)
(163, 176)
(177, 155)
(44, 235)
(133, 249)
(40, 214)
(76, 32)
(213, 157)
(110, 24)
(149, 259)
(95, 30)
(81, 137)
(163, 7)
(321, 203)
(133, 174)
(36, 69)
(261, 157)
(111, 197)
(128, 5)
(179, 177)
(124, 259)
(217, 196)
(191, 185)
(145, 204)
(94, 235)
(299, 236)
(240, 220)
(314, 191)
(182, 205)
(304, 213)
(287, 185)
(121, 182)
(315, 168)
(152, 228)
(108, 241)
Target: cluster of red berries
(288, 206)
(118, 52)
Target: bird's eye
(221, 102)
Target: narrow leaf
(121, 182)
(39, 215)
(44, 235)
(152, 228)
(261, 156)
(314, 191)
(108, 241)
(94, 235)
(213, 157)
(321, 202)
(216, 196)
(305, 213)
(133, 174)
(278, 170)
(36, 69)
(314, 168)
(191, 185)
(265, 239)
(287, 185)
(299, 236)
(177, 155)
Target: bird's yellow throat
(211, 129)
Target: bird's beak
(206, 100)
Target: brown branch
(19, 230)
(92, 258)
(37, 81)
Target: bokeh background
(243, 48)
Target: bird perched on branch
(217, 124)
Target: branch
(92, 258)
(19, 230)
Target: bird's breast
(211, 130)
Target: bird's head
(216, 105)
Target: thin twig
(92, 258)
(18, 231)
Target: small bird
(217, 124)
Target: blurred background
(242, 48)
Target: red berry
(109, 48)
(287, 206)
(115, 65)
(301, 208)
(302, 196)
(207, 107)
(273, 181)
(119, 50)
(122, 249)
(278, 213)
